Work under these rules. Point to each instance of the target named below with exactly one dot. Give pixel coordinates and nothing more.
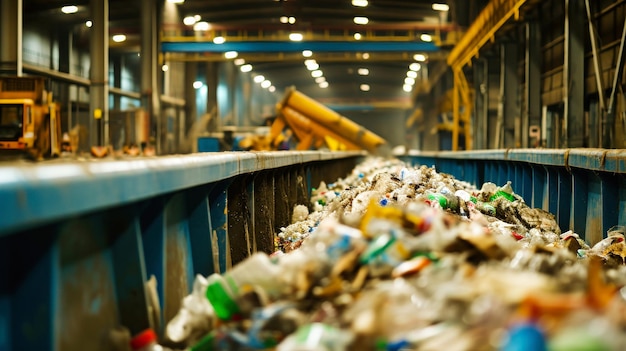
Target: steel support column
(190, 115)
(481, 103)
(573, 75)
(532, 93)
(99, 88)
(11, 12)
(617, 81)
(508, 110)
(151, 98)
(211, 100)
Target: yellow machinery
(314, 126)
(29, 119)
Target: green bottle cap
(377, 247)
(220, 297)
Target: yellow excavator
(314, 126)
(29, 118)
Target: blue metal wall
(584, 188)
(78, 241)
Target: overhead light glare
(197, 84)
(190, 20)
(272, 89)
(284, 19)
(359, 3)
(246, 68)
(411, 74)
(165, 68)
(266, 84)
(357, 36)
(365, 56)
(307, 53)
(319, 80)
(415, 66)
(323, 85)
(419, 57)
(69, 9)
(365, 87)
(426, 37)
(239, 61)
(296, 37)
(360, 20)
(201, 26)
(441, 7)
(89, 24)
(231, 54)
(409, 81)
(259, 78)
(317, 73)
(363, 71)
(292, 20)
(219, 40)
(118, 38)
(312, 66)
(407, 88)
(309, 62)
(176, 1)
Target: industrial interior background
(526, 73)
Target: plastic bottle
(317, 337)
(194, 317)
(146, 341)
(444, 200)
(222, 291)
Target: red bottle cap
(143, 339)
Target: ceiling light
(309, 62)
(324, 85)
(419, 57)
(357, 36)
(363, 71)
(258, 79)
(409, 81)
(441, 7)
(219, 40)
(201, 26)
(312, 66)
(415, 66)
(69, 9)
(266, 84)
(360, 20)
(365, 56)
(272, 89)
(197, 84)
(365, 87)
(426, 37)
(295, 37)
(407, 88)
(89, 24)
(284, 19)
(118, 38)
(230, 54)
(411, 74)
(246, 68)
(359, 3)
(319, 80)
(165, 68)
(292, 20)
(239, 61)
(190, 20)
(307, 53)
(317, 73)
(176, 1)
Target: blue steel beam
(315, 46)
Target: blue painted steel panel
(200, 229)
(578, 220)
(565, 198)
(289, 46)
(219, 223)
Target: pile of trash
(395, 257)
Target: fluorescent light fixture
(219, 40)
(307, 53)
(239, 61)
(176, 1)
(258, 79)
(284, 19)
(419, 57)
(359, 3)
(296, 37)
(357, 36)
(363, 71)
(190, 20)
(201, 26)
(231, 54)
(118, 38)
(246, 68)
(317, 73)
(292, 20)
(411, 74)
(365, 87)
(415, 66)
(69, 9)
(272, 89)
(426, 37)
(197, 84)
(309, 62)
(365, 56)
(89, 24)
(360, 20)
(409, 81)
(441, 7)
(266, 84)
(407, 88)
(312, 66)
(323, 85)
(318, 80)
(165, 68)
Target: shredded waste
(394, 257)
